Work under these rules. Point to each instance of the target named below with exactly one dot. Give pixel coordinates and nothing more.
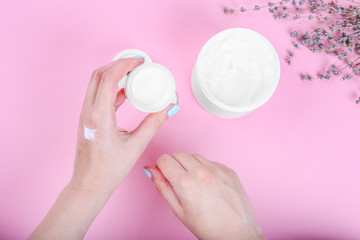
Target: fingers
(165, 189)
(203, 160)
(108, 88)
(150, 126)
(215, 167)
(170, 168)
(120, 98)
(94, 85)
(186, 160)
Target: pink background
(297, 156)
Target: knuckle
(195, 155)
(106, 76)
(94, 116)
(157, 123)
(162, 159)
(96, 72)
(226, 170)
(227, 174)
(160, 188)
(231, 172)
(204, 173)
(183, 180)
(198, 157)
(179, 152)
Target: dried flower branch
(337, 34)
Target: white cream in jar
(237, 71)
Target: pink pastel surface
(297, 156)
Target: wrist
(94, 176)
(89, 189)
(74, 210)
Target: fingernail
(138, 57)
(174, 109)
(147, 173)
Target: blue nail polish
(147, 173)
(173, 110)
(138, 57)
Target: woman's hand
(102, 164)
(104, 157)
(206, 196)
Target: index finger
(94, 85)
(170, 168)
(108, 87)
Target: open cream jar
(236, 72)
(150, 87)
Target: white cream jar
(236, 72)
(150, 87)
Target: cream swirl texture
(238, 68)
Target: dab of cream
(89, 134)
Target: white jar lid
(150, 87)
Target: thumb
(152, 123)
(165, 189)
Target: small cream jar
(150, 87)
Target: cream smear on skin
(89, 134)
(237, 69)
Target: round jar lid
(150, 87)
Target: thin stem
(348, 65)
(353, 1)
(267, 6)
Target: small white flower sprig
(338, 32)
